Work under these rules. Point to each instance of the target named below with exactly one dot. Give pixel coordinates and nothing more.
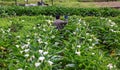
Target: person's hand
(66, 17)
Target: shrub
(52, 10)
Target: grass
(65, 3)
(77, 4)
(57, 3)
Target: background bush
(52, 10)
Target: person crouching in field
(60, 23)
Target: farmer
(60, 23)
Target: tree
(52, 2)
(27, 1)
(15, 2)
(41, 0)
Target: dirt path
(108, 4)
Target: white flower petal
(93, 53)
(37, 64)
(110, 66)
(17, 46)
(20, 69)
(26, 55)
(40, 51)
(50, 62)
(52, 36)
(41, 58)
(46, 43)
(45, 53)
(56, 43)
(70, 65)
(78, 46)
(26, 50)
(77, 52)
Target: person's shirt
(60, 23)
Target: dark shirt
(60, 23)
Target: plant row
(52, 10)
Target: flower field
(33, 43)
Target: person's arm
(66, 19)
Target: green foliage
(15, 26)
(82, 44)
(52, 10)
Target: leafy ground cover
(33, 43)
